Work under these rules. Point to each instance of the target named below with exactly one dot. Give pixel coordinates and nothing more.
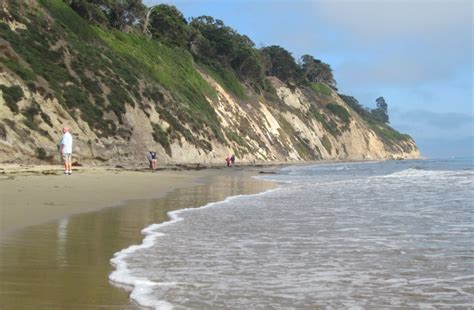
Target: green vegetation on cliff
(102, 58)
(377, 119)
(12, 95)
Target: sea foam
(381, 235)
(140, 288)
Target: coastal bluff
(123, 94)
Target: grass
(117, 59)
(226, 78)
(174, 69)
(320, 88)
(68, 19)
(340, 112)
(131, 66)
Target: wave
(141, 287)
(418, 172)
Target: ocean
(395, 234)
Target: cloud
(391, 19)
(401, 42)
(445, 121)
(446, 148)
(403, 70)
(438, 134)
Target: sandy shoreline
(35, 194)
(55, 251)
(36, 198)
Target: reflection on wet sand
(65, 264)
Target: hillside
(123, 93)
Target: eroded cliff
(120, 103)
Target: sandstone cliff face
(285, 130)
(292, 124)
(257, 130)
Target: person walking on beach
(65, 149)
(227, 160)
(232, 159)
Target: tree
(381, 112)
(245, 59)
(218, 35)
(314, 70)
(355, 105)
(123, 13)
(280, 63)
(381, 104)
(119, 14)
(168, 25)
(89, 10)
(214, 42)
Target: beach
(32, 195)
(329, 235)
(58, 233)
(375, 235)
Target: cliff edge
(123, 94)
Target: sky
(417, 54)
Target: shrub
(46, 119)
(327, 143)
(237, 138)
(75, 98)
(340, 112)
(30, 113)
(25, 74)
(41, 153)
(329, 126)
(91, 85)
(3, 132)
(161, 136)
(387, 133)
(12, 95)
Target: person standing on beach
(152, 159)
(66, 150)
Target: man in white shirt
(66, 150)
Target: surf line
(140, 288)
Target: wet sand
(29, 197)
(59, 258)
